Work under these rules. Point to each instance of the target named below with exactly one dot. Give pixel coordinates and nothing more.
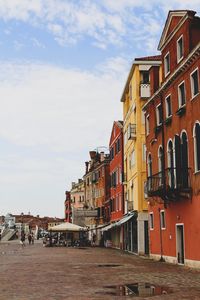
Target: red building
(173, 143)
(115, 209)
(116, 171)
(68, 211)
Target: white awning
(66, 226)
(124, 219)
(108, 227)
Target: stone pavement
(59, 273)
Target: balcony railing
(145, 90)
(172, 184)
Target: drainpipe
(163, 147)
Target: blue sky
(61, 62)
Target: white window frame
(166, 65)
(196, 170)
(162, 219)
(157, 115)
(166, 105)
(151, 221)
(179, 58)
(192, 82)
(179, 100)
(147, 125)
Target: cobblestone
(59, 273)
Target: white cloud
(113, 22)
(52, 117)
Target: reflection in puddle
(109, 265)
(136, 289)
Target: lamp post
(22, 224)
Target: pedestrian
(93, 239)
(32, 238)
(22, 240)
(29, 238)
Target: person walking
(32, 238)
(29, 238)
(22, 240)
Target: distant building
(97, 187)
(68, 210)
(114, 207)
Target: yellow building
(135, 94)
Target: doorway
(180, 243)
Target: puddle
(109, 265)
(136, 290)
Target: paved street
(42, 273)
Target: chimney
(92, 154)
(86, 166)
(102, 157)
(73, 184)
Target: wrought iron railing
(171, 180)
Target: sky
(63, 67)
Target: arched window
(149, 165)
(196, 136)
(184, 159)
(160, 164)
(170, 159)
(149, 172)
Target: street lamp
(22, 225)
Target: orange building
(173, 143)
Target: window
(167, 64)
(194, 80)
(145, 77)
(132, 158)
(162, 219)
(111, 153)
(196, 135)
(151, 221)
(144, 150)
(168, 106)
(180, 49)
(181, 94)
(147, 125)
(159, 114)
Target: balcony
(173, 186)
(145, 90)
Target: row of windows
(116, 177)
(162, 220)
(179, 53)
(177, 152)
(194, 84)
(116, 203)
(79, 199)
(115, 149)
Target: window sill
(181, 111)
(157, 129)
(168, 120)
(194, 97)
(197, 172)
(164, 228)
(179, 59)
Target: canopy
(66, 226)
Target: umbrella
(66, 226)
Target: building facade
(173, 144)
(68, 209)
(135, 94)
(97, 188)
(114, 207)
